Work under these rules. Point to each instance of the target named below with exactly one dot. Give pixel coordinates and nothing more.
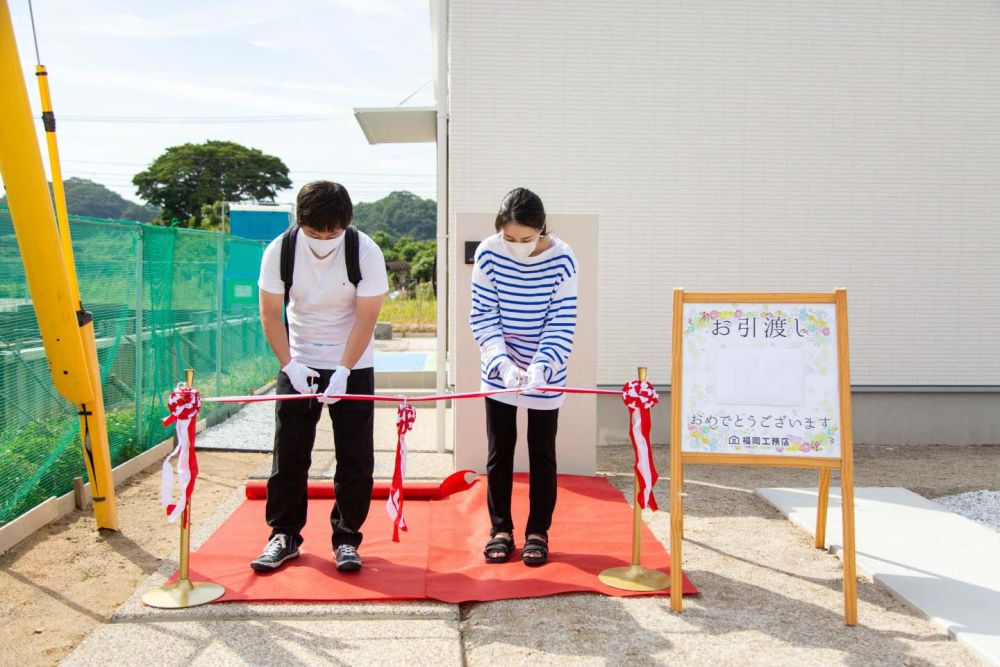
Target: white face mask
(323, 247)
(521, 250)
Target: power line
(278, 118)
(422, 86)
(380, 174)
(34, 35)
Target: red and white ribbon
(403, 399)
(639, 398)
(184, 405)
(405, 416)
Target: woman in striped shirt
(524, 287)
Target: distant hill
(87, 198)
(398, 214)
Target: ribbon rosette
(406, 415)
(184, 405)
(639, 398)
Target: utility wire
(34, 36)
(422, 86)
(281, 118)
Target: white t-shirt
(321, 305)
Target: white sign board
(760, 379)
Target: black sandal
(538, 547)
(505, 545)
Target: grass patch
(410, 315)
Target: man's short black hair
(324, 206)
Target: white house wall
(768, 145)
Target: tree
(420, 255)
(398, 214)
(211, 218)
(85, 197)
(185, 178)
(384, 241)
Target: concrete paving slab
(407, 344)
(268, 641)
(941, 563)
(134, 611)
(420, 466)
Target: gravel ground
(980, 506)
(768, 597)
(249, 430)
(59, 584)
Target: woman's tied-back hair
(324, 206)
(524, 207)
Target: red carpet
(591, 531)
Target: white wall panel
(768, 145)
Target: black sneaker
(279, 549)
(348, 559)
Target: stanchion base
(183, 594)
(635, 578)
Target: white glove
(535, 377)
(510, 374)
(300, 375)
(337, 386)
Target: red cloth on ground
(440, 557)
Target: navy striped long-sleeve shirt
(524, 310)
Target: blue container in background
(261, 222)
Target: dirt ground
(768, 596)
(66, 579)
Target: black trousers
(294, 436)
(501, 435)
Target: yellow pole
(183, 592)
(635, 577)
(58, 191)
(186, 515)
(67, 330)
(636, 509)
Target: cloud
(268, 44)
(357, 93)
(382, 8)
(234, 98)
(78, 19)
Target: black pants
(295, 433)
(501, 434)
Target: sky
(129, 79)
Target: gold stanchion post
(184, 593)
(635, 577)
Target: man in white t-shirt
(327, 349)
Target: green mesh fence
(163, 300)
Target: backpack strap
(288, 263)
(352, 246)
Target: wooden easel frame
(845, 462)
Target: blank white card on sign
(760, 376)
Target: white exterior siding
(769, 145)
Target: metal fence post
(219, 286)
(140, 417)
